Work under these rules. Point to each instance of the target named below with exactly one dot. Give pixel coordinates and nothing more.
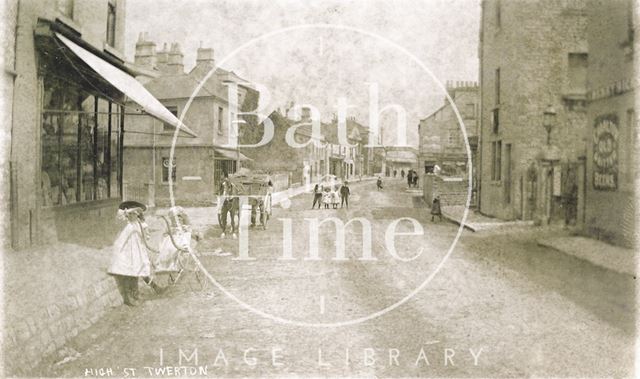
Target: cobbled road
(500, 306)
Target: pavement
(476, 221)
(599, 253)
(498, 306)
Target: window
(495, 120)
(168, 168)
(577, 73)
(65, 7)
(220, 119)
(497, 87)
(80, 160)
(111, 24)
(174, 111)
(496, 160)
(470, 110)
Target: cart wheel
(185, 261)
(199, 282)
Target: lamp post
(549, 121)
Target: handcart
(257, 187)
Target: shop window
(111, 24)
(168, 168)
(79, 146)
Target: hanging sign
(605, 153)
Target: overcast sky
(320, 65)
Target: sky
(330, 50)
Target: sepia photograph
(319, 188)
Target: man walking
(317, 196)
(402, 173)
(344, 194)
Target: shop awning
(231, 154)
(126, 84)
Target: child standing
(130, 259)
(436, 209)
(379, 183)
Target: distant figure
(344, 193)
(326, 197)
(402, 173)
(409, 177)
(379, 183)
(317, 197)
(436, 209)
(414, 179)
(395, 173)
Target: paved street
(499, 306)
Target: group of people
(412, 177)
(329, 196)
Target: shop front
(78, 161)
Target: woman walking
(436, 209)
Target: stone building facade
(533, 57)
(612, 121)
(199, 163)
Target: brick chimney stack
(145, 52)
(175, 63)
(162, 58)
(205, 60)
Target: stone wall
(29, 340)
(452, 191)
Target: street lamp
(549, 121)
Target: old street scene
(319, 189)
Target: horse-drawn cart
(257, 187)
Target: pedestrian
(402, 173)
(326, 196)
(395, 172)
(436, 209)
(379, 183)
(409, 177)
(130, 258)
(344, 193)
(415, 179)
(317, 196)
(227, 209)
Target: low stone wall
(38, 335)
(452, 190)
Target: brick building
(533, 57)
(350, 159)
(198, 163)
(612, 124)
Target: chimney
(175, 64)
(162, 58)
(205, 57)
(145, 52)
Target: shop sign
(605, 153)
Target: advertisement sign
(605, 153)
